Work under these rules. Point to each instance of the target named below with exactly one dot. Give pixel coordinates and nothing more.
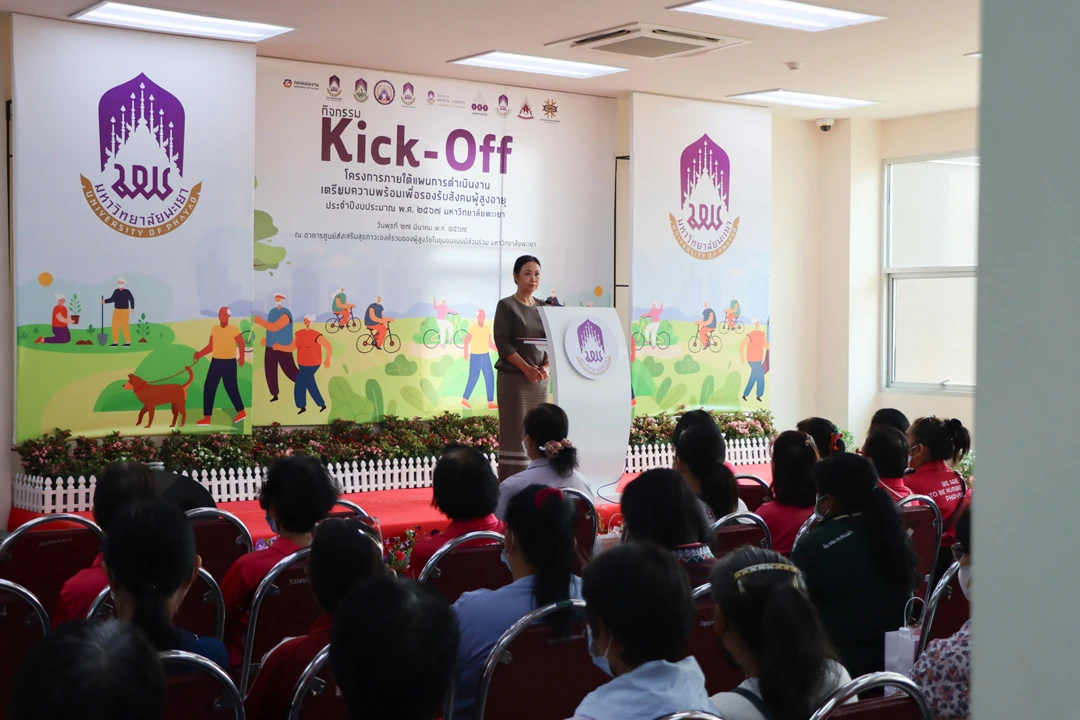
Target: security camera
(825, 124)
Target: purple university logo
(585, 344)
(430, 97)
(360, 90)
(408, 94)
(140, 189)
(705, 227)
(504, 106)
(384, 92)
(333, 86)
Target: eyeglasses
(958, 551)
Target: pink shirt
(654, 314)
(440, 311)
(784, 522)
(896, 488)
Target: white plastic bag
(902, 644)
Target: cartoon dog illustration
(151, 396)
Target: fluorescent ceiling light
(966, 161)
(974, 55)
(541, 65)
(779, 13)
(788, 97)
(177, 23)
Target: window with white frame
(930, 272)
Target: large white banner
(701, 193)
(386, 195)
(133, 206)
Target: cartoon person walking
(654, 323)
(224, 360)
(123, 303)
(478, 343)
(309, 345)
(279, 331)
(752, 351)
(60, 321)
(706, 325)
(446, 328)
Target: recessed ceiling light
(177, 23)
(788, 97)
(541, 65)
(975, 55)
(780, 13)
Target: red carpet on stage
(396, 510)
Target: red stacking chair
(720, 676)
(42, 558)
(220, 538)
(910, 705)
(454, 570)
(551, 675)
(197, 688)
(316, 694)
(732, 534)
(23, 623)
(202, 612)
(922, 518)
(755, 493)
(587, 523)
(282, 607)
(349, 509)
(947, 610)
(810, 524)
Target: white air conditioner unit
(653, 42)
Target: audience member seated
(640, 612)
(935, 443)
(119, 484)
(341, 555)
(552, 457)
(699, 458)
(768, 627)
(858, 562)
(794, 455)
(464, 489)
(659, 508)
(700, 419)
(827, 437)
(943, 671)
(298, 492)
(887, 448)
(150, 561)
(540, 554)
(89, 671)
(392, 650)
(890, 417)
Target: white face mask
(524, 448)
(600, 661)
(964, 578)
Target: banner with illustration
(132, 213)
(701, 187)
(389, 211)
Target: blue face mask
(272, 524)
(506, 560)
(599, 661)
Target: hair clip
(554, 447)
(543, 495)
(797, 579)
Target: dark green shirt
(856, 603)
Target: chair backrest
(528, 661)
(197, 688)
(221, 538)
(23, 622)
(283, 606)
(315, 695)
(45, 552)
(202, 612)
(691, 715)
(102, 607)
(460, 565)
(922, 518)
(810, 524)
(586, 525)
(947, 610)
(720, 676)
(733, 533)
(755, 493)
(873, 709)
(369, 524)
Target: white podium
(590, 370)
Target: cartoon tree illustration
(267, 257)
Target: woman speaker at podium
(523, 368)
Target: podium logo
(591, 347)
(705, 226)
(139, 189)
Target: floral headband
(797, 580)
(553, 447)
(543, 495)
(834, 440)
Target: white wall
(7, 330)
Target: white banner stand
(590, 369)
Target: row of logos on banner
(384, 93)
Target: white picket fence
(61, 495)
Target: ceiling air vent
(651, 41)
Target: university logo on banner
(591, 347)
(140, 189)
(705, 228)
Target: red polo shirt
(79, 593)
(784, 522)
(271, 693)
(945, 487)
(425, 548)
(896, 487)
(238, 589)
